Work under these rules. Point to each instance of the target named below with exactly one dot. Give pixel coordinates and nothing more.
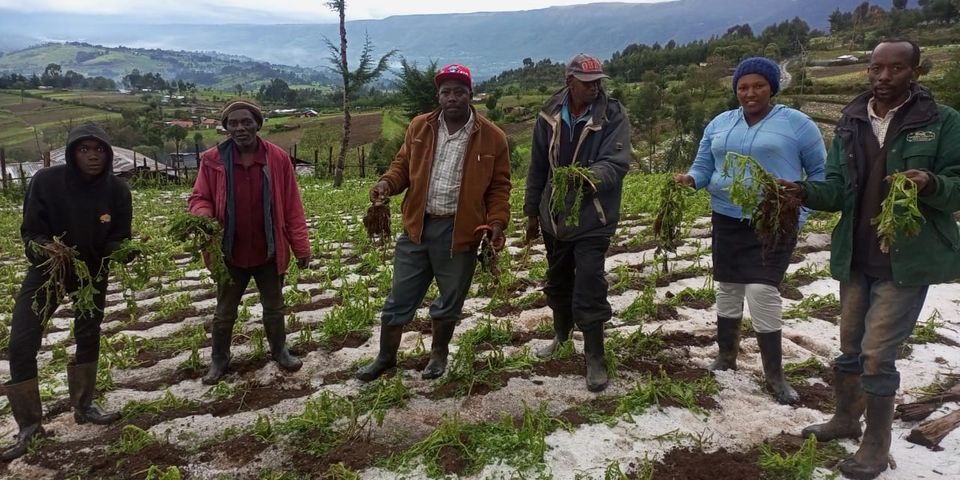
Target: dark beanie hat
(235, 105)
(761, 66)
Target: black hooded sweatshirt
(93, 215)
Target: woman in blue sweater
(788, 145)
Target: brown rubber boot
(850, 406)
(439, 348)
(728, 340)
(874, 453)
(387, 358)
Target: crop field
(499, 412)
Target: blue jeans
(876, 317)
(416, 265)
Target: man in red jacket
(248, 185)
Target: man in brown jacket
(455, 167)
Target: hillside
(488, 42)
(202, 68)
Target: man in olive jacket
(579, 125)
(895, 127)
(454, 165)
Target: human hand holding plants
(533, 230)
(380, 192)
(919, 178)
(497, 239)
(303, 262)
(791, 188)
(684, 180)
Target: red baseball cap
(454, 72)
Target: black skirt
(739, 257)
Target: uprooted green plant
(517, 442)
(202, 235)
(132, 440)
(570, 181)
(669, 220)
(62, 268)
(774, 214)
(652, 390)
(899, 212)
(801, 464)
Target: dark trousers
(576, 279)
(876, 316)
(269, 284)
(414, 268)
(26, 332)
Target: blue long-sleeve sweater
(786, 143)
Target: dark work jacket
(927, 138)
(92, 215)
(603, 146)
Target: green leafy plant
(200, 235)
(62, 263)
(801, 464)
(669, 220)
(899, 212)
(156, 473)
(132, 440)
(774, 214)
(569, 181)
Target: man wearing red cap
(455, 168)
(579, 125)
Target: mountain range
(487, 42)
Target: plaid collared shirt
(447, 168)
(880, 125)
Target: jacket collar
(434, 119)
(919, 109)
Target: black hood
(87, 131)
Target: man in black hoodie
(90, 210)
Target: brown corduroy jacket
(484, 186)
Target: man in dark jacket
(82, 206)
(455, 168)
(580, 125)
(895, 127)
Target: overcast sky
(271, 11)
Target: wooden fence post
(23, 180)
(363, 163)
(316, 162)
(3, 168)
(46, 159)
(330, 160)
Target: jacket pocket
(947, 230)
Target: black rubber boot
(850, 406)
(439, 348)
(874, 454)
(220, 336)
(593, 350)
(562, 326)
(387, 358)
(728, 340)
(771, 353)
(277, 338)
(82, 381)
(24, 398)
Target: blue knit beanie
(762, 66)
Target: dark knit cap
(761, 66)
(235, 105)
